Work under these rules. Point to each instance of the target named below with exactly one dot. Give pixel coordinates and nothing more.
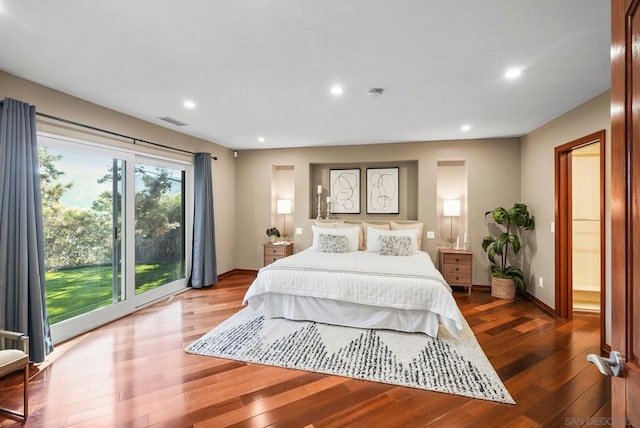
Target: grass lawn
(78, 290)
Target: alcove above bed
(406, 193)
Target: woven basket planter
(503, 288)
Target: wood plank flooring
(134, 373)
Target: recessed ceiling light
(513, 73)
(189, 104)
(261, 139)
(465, 128)
(336, 90)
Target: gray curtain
(204, 271)
(22, 270)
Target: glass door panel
(159, 226)
(82, 213)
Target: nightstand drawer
(270, 259)
(456, 267)
(455, 279)
(459, 269)
(280, 250)
(460, 259)
(274, 252)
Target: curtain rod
(106, 131)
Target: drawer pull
(457, 268)
(457, 260)
(273, 251)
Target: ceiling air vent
(172, 121)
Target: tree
(72, 236)
(157, 212)
(76, 236)
(52, 190)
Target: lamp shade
(451, 208)
(284, 206)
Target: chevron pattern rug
(446, 364)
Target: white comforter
(361, 277)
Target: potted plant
(505, 278)
(273, 233)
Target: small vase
(272, 238)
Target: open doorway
(580, 229)
(586, 223)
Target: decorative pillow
(365, 227)
(374, 234)
(394, 246)
(409, 226)
(361, 245)
(333, 243)
(351, 234)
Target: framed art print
(382, 191)
(344, 189)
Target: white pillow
(352, 234)
(360, 232)
(405, 226)
(365, 226)
(373, 234)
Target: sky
(83, 171)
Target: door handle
(612, 366)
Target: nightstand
(456, 266)
(273, 252)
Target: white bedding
(360, 278)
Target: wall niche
(283, 188)
(452, 186)
(407, 190)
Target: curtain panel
(204, 271)
(22, 268)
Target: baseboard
(481, 287)
(236, 272)
(539, 303)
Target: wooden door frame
(622, 199)
(564, 227)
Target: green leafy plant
(273, 232)
(497, 247)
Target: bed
(358, 289)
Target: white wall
(538, 175)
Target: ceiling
(260, 68)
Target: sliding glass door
(116, 232)
(80, 214)
(159, 228)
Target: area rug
(445, 364)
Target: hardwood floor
(134, 372)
